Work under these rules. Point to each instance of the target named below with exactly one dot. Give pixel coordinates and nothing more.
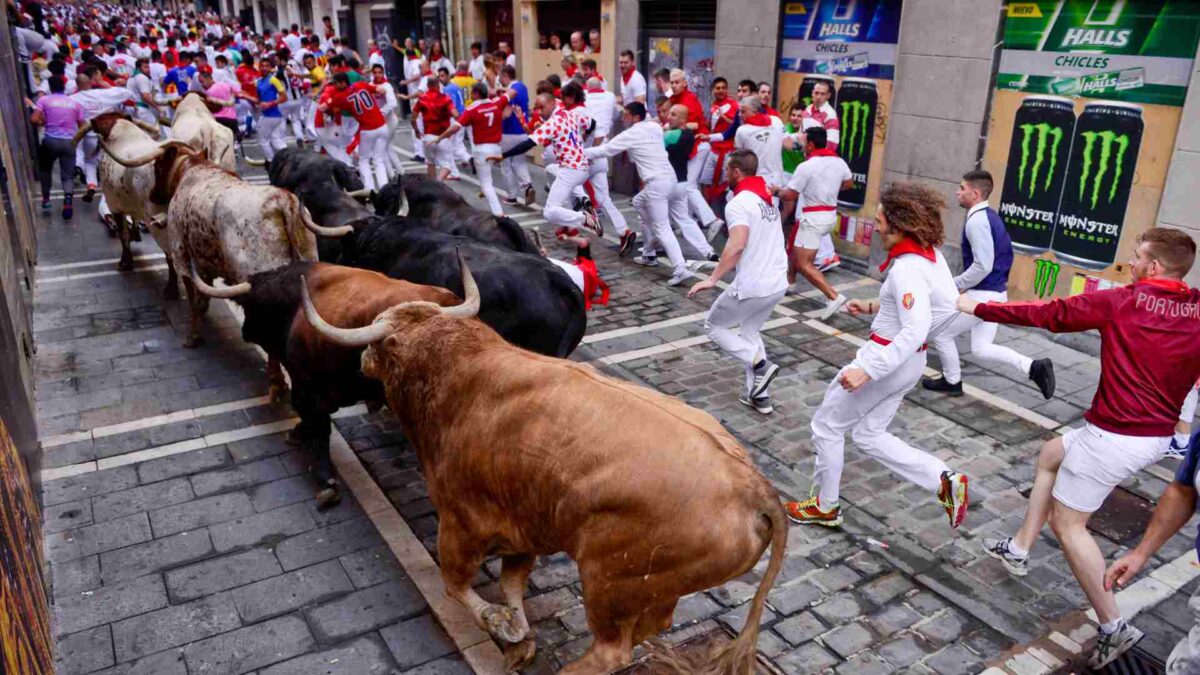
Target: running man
(358, 101)
(915, 301)
(698, 122)
(270, 93)
(987, 256)
(485, 117)
(515, 170)
(816, 183)
(432, 114)
(1148, 363)
(821, 114)
(755, 251)
(560, 132)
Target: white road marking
(95, 263)
(92, 275)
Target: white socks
(1110, 627)
(1017, 550)
(1181, 439)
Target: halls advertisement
(853, 46)
(1087, 103)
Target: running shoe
(940, 384)
(1018, 566)
(591, 222)
(1111, 645)
(762, 404)
(953, 495)
(1175, 450)
(418, 158)
(809, 512)
(833, 306)
(1042, 374)
(90, 194)
(646, 260)
(627, 241)
(764, 372)
(509, 201)
(530, 194)
(713, 257)
(680, 277)
(68, 208)
(713, 229)
(829, 263)
(566, 232)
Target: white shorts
(812, 229)
(440, 154)
(1095, 461)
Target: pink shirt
(224, 91)
(63, 115)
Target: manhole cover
(695, 648)
(1123, 518)
(1132, 662)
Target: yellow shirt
(465, 82)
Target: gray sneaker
(646, 261)
(680, 277)
(762, 404)
(998, 549)
(1111, 645)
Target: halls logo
(1103, 160)
(838, 30)
(1093, 37)
(1038, 141)
(1045, 277)
(855, 115)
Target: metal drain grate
(1123, 518)
(1133, 662)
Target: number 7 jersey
(485, 119)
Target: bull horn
(149, 156)
(306, 218)
(345, 337)
(214, 292)
(81, 132)
(359, 194)
(403, 210)
(470, 304)
(254, 162)
(147, 127)
(537, 239)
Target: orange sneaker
(953, 496)
(809, 512)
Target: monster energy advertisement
(857, 102)
(1138, 51)
(807, 85)
(1033, 183)
(1104, 152)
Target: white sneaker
(833, 306)
(680, 277)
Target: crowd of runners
(736, 170)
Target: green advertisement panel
(1137, 51)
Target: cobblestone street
(183, 538)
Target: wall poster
(852, 44)
(1088, 98)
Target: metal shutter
(694, 16)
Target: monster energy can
(1104, 154)
(856, 105)
(1037, 168)
(806, 87)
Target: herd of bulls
(452, 318)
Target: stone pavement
(213, 560)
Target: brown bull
(528, 455)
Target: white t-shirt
(600, 107)
(292, 41)
(511, 60)
(762, 269)
(819, 180)
(767, 144)
(476, 67)
(157, 72)
(635, 87)
(140, 84)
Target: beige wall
(747, 42)
(1180, 205)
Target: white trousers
(983, 334)
(292, 112)
(1188, 412)
(558, 204)
(748, 315)
(482, 151)
(270, 136)
(373, 147)
(826, 250)
(696, 199)
(87, 155)
(439, 154)
(394, 166)
(866, 414)
(688, 226)
(332, 141)
(598, 175)
(515, 170)
(652, 209)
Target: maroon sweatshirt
(1149, 354)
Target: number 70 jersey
(358, 100)
(485, 119)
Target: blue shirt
(1186, 475)
(268, 89)
(519, 95)
(179, 77)
(455, 93)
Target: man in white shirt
(292, 39)
(915, 302)
(633, 85)
(987, 257)
(143, 93)
(599, 105)
(643, 140)
(821, 114)
(476, 68)
(761, 134)
(815, 183)
(755, 250)
(510, 58)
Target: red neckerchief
(821, 152)
(570, 71)
(597, 90)
(905, 246)
(460, 73)
(558, 93)
(625, 77)
(1172, 285)
(757, 120)
(592, 283)
(773, 112)
(754, 184)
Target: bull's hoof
(278, 393)
(135, 232)
(501, 622)
(329, 497)
(517, 656)
(193, 341)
